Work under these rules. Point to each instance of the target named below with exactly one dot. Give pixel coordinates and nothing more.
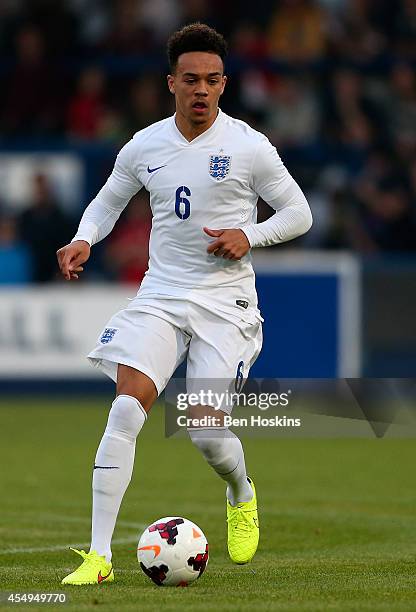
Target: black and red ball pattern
(168, 531)
(199, 562)
(157, 574)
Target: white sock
(224, 453)
(113, 469)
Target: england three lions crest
(219, 166)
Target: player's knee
(126, 416)
(133, 383)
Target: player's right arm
(101, 214)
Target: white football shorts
(155, 336)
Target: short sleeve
(269, 176)
(123, 182)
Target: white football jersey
(213, 181)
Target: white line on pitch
(11, 551)
(84, 519)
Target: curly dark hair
(195, 37)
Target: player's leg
(113, 466)
(220, 353)
(223, 451)
(140, 352)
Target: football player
(204, 171)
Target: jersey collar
(211, 130)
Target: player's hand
(71, 257)
(229, 243)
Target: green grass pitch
(338, 524)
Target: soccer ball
(173, 551)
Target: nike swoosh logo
(150, 170)
(102, 578)
(154, 547)
(106, 467)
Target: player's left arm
(229, 243)
(271, 180)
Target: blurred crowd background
(331, 82)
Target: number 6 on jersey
(182, 205)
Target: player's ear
(224, 80)
(171, 83)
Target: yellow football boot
(93, 570)
(243, 529)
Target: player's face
(197, 84)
